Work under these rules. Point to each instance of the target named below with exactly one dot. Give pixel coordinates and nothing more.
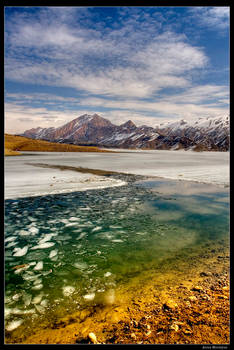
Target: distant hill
(15, 144)
(203, 134)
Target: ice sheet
(23, 180)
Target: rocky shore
(191, 309)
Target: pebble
(197, 289)
(93, 338)
(192, 298)
(205, 274)
(170, 304)
(222, 297)
(174, 326)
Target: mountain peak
(128, 124)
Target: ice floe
(46, 238)
(37, 299)
(39, 266)
(34, 230)
(40, 309)
(13, 325)
(27, 298)
(89, 297)
(9, 239)
(53, 253)
(20, 251)
(107, 274)
(43, 245)
(37, 287)
(24, 233)
(68, 290)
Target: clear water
(77, 247)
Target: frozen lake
(87, 239)
(23, 180)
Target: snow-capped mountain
(201, 134)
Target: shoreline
(192, 308)
(96, 179)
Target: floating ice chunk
(43, 245)
(37, 287)
(81, 236)
(64, 221)
(7, 300)
(68, 290)
(107, 274)
(21, 251)
(13, 325)
(80, 265)
(46, 238)
(98, 228)
(53, 253)
(115, 226)
(37, 299)
(28, 277)
(7, 312)
(16, 297)
(38, 281)
(44, 302)
(86, 208)
(27, 298)
(89, 297)
(16, 311)
(34, 230)
(30, 311)
(117, 240)
(9, 239)
(99, 252)
(71, 224)
(62, 238)
(18, 271)
(24, 233)
(73, 218)
(40, 309)
(55, 258)
(11, 244)
(39, 266)
(32, 263)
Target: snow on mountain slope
(210, 133)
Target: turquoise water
(76, 248)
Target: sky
(145, 64)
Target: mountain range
(203, 134)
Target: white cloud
(136, 65)
(216, 18)
(19, 118)
(127, 67)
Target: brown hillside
(13, 144)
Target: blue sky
(147, 64)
